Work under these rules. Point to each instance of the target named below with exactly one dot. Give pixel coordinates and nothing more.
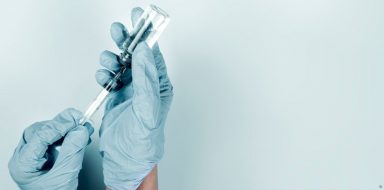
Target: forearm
(149, 182)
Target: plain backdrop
(269, 94)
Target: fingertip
(135, 14)
(83, 132)
(110, 60)
(144, 69)
(103, 77)
(78, 136)
(89, 127)
(142, 55)
(105, 55)
(118, 33)
(142, 49)
(73, 111)
(156, 47)
(156, 50)
(137, 10)
(69, 114)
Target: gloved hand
(28, 165)
(132, 130)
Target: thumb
(72, 150)
(144, 73)
(146, 87)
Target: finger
(119, 34)
(110, 61)
(67, 119)
(89, 127)
(156, 49)
(50, 131)
(18, 169)
(75, 140)
(135, 15)
(71, 154)
(103, 77)
(32, 154)
(166, 88)
(145, 83)
(30, 131)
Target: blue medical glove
(28, 165)
(132, 130)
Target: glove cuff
(125, 178)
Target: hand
(28, 165)
(132, 130)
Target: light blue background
(269, 94)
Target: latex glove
(28, 165)
(132, 130)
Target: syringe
(148, 28)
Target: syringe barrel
(148, 28)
